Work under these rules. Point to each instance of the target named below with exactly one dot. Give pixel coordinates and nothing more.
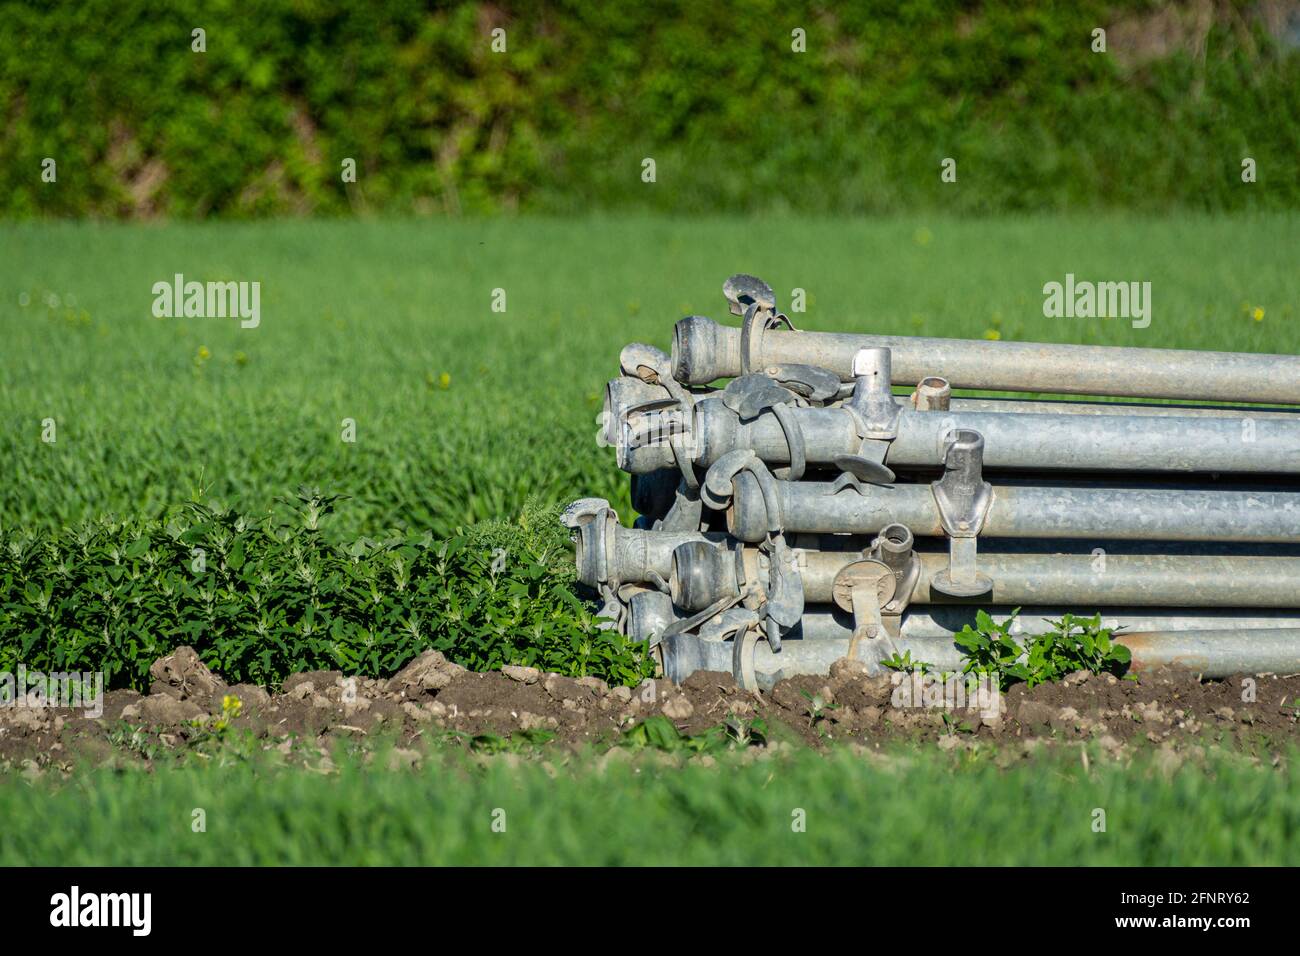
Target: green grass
(362, 319)
(924, 809)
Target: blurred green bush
(437, 122)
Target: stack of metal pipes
(805, 497)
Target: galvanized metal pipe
(1264, 435)
(1211, 653)
(1104, 442)
(1218, 653)
(1138, 580)
(1016, 440)
(816, 657)
(825, 622)
(704, 351)
(1048, 406)
(937, 620)
(1028, 511)
(933, 393)
(699, 578)
(685, 654)
(607, 552)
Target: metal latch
(876, 415)
(963, 498)
(863, 588)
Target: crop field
(463, 413)
(416, 399)
(420, 378)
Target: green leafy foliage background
(260, 123)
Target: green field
(363, 320)
(462, 415)
(920, 809)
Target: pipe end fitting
(932, 394)
(648, 615)
(699, 575)
(895, 539)
(747, 513)
(696, 351)
(621, 394)
(589, 552)
(654, 493)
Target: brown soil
(434, 700)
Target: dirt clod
(525, 675)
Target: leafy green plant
(659, 733)
(1074, 644)
(904, 664)
(521, 741)
(142, 742)
(953, 726)
(816, 710)
(746, 733)
(262, 599)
